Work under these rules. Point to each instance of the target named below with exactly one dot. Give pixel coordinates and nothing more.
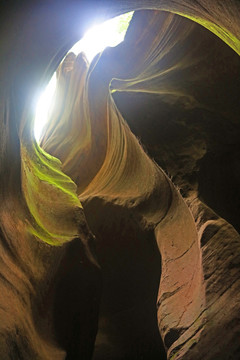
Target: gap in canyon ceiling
(119, 219)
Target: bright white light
(43, 107)
(98, 38)
(109, 33)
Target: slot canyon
(119, 230)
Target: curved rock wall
(50, 295)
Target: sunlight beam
(109, 33)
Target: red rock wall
(50, 296)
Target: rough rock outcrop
(178, 91)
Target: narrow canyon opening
(119, 223)
(160, 100)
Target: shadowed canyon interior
(119, 231)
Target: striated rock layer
(174, 85)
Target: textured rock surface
(181, 98)
(195, 145)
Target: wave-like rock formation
(119, 231)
